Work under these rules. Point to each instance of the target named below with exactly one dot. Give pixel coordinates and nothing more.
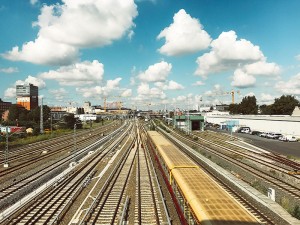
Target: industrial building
(27, 96)
(189, 122)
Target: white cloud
(242, 79)
(266, 99)
(79, 74)
(43, 51)
(227, 53)
(144, 90)
(262, 68)
(127, 93)
(58, 94)
(290, 87)
(184, 35)
(9, 70)
(250, 94)
(171, 85)
(156, 72)
(64, 28)
(297, 57)
(130, 34)
(10, 93)
(32, 80)
(198, 83)
(33, 2)
(111, 87)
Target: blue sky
(163, 52)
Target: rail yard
(137, 172)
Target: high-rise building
(27, 96)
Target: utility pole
(41, 118)
(75, 147)
(51, 124)
(6, 150)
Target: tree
(248, 105)
(265, 109)
(284, 105)
(234, 109)
(13, 114)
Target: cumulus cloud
(33, 2)
(262, 68)
(43, 51)
(184, 35)
(171, 85)
(144, 90)
(198, 83)
(9, 70)
(227, 53)
(290, 87)
(32, 80)
(67, 27)
(79, 74)
(156, 72)
(297, 57)
(266, 98)
(127, 93)
(110, 87)
(242, 79)
(58, 94)
(11, 91)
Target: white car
(288, 138)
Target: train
(201, 199)
(12, 129)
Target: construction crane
(232, 93)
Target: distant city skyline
(163, 53)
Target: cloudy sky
(170, 53)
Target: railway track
(272, 158)
(52, 206)
(147, 208)
(14, 191)
(289, 188)
(248, 205)
(109, 200)
(25, 156)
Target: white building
(285, 124)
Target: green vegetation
(258, 186)
(296, 212)
(282, 106)
(247, 106)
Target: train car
(202, 199)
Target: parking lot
(284, 148)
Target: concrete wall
(287, 125)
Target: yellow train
(201, 199)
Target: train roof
(172, 156)
(210, 203)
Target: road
(284, 148)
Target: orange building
(27, 96)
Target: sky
(150, 53)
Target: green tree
(265, 109)
(248, 105)
(234, 108)
(13, 114)
(284, 105)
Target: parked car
(288, 138)
(245, 130)
(254, 132)
(274, 135)
(263, 134)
